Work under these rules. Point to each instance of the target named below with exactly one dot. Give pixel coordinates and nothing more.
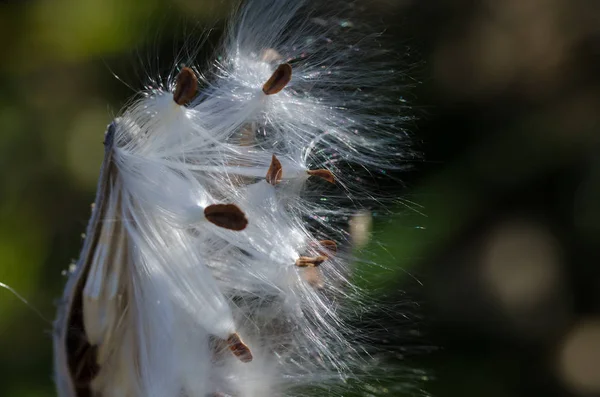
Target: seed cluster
(231, 217)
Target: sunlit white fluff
(168, 288)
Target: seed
(314, 277)
(270, 55)
(228, 216)
(248, 134)
(310, 261)
(326, 248)
(239, 348)
(187, 85)
(324, 174)
(275, 172)
(278, 80)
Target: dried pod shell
(270, 55)
(75, 363)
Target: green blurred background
(496, 246)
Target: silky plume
(217, 260)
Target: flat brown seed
(278, 80)
(324, 174)
(270, 55)
(186, 87)
(314, 277)
(360, 228)
(275, 172)
(326, 248)
(228, 216)
(239, 348)
(310, 261)
(248, 135)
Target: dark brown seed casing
(228, 216)
(275, 172)
(327, 248)
(312, 261)
(324, 174)
(186, 87)
(239, 348)
(278, 80)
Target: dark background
(493, 250)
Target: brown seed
(314, 277)
(360, 228)
(270, 55)
(246, 137)
(325, 174)
(248, 134)
(228, 216)
(239, 348)
(278, 80)
(187, 85)
(310, 261)
(275, 172)
(326, 248)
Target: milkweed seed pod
(216, 261)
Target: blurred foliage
(495, 237)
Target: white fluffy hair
(209, 267)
